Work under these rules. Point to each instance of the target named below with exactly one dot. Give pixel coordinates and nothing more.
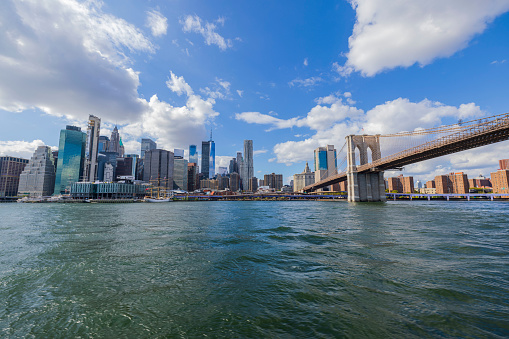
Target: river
(255, 269)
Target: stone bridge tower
(364, 186)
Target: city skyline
(292, 85)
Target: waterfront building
(71, 157)
(92, 148)
(126, 167)
(343, 186)
(205, 159)
(104, 143)
(253, 184)
(180, 173)
(452, 183)
(287, 189)
(147, 145)
(10, 170)
(114, 145)
(136, 159)
(303, 179)
(211, 184)
(233, 168)
(193, 154)
(500, 181)
(401, 184)
(430, 184)
(273, 180)
(247, 164)
(234, 182)
(431, 190)
(109, 172)
(480, 182)
(38, 177)
(107, 190)
(158, 168)
(103, 159)
(193, 177)
(223, 182)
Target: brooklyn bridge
(362, 165)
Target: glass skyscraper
(147, 145)
(193, 154)
(71, 156)
(212, 159)
(205, 159)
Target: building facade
(401, 184)
(10, 170)
(38, 177)
(248, 166)
(147, 145)
(193, 154)
(325, 163)
(234, 182)
(303, 179)
(114, 145)
(180, 174)
(92, 148)
(158, 168)
(500, 181)
(71, 158)
(193, 177)
(456, 183)
(273, 180)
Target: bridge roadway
(481, 134)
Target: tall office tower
(103, 159)
(180, 174)
(115, 141)
(247, 168)
(71, 158)
(10, 170)
(158, 168)
(193, 154)
(193, 177)
(126, 167)
(234, 181)
(205, 159)
(121, 148)
(136, 159)
(233, 168)
(253, 184)
(92, 148)
(325, 163)
(38, 177)
(212, 161)
(147, 145)
(104, 143)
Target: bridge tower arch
(364, 186)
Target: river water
(255, 269)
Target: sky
(289, 75)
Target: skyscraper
(38, 177)
(92, 148)
(212, 160)
(325, 162)
(193, 154)
(71, 157)
(247, 168)
(115, 141)
(158, 168)
(205, 159)
(147, 145)
(10, 170)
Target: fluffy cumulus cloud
(193, 23)
(172, 126)
(395, 33)
(21, 148)
(157, 23)
(69, 58)
(332, 120)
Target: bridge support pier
(368, 186)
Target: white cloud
(21, 148)
(260, 151)
(178, 85)
(309, 82)
(68, 58)
(157, 23)
(394, 33)
(332, 121)
(239, 92)
(193, 23)
(220, 90)
(305, 63)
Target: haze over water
(255, 269)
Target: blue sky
(290, 75)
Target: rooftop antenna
(211, 134)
